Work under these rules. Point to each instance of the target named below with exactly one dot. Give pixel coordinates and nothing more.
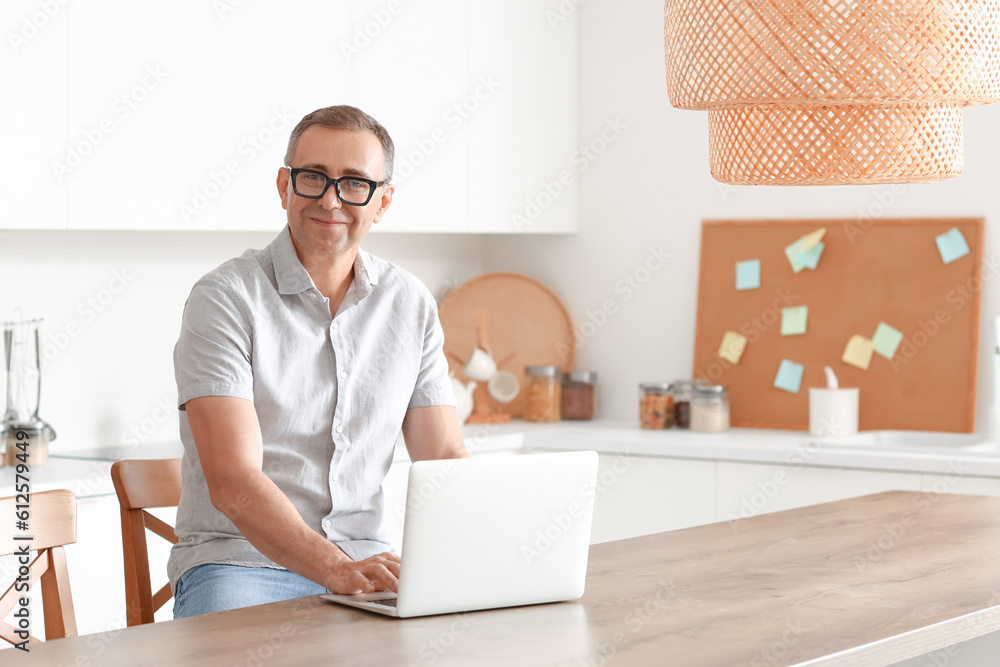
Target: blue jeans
(213, 587)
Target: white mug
(480, 365)
(503, 387)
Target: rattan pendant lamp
(818, 92)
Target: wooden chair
(143, 484)
(51, 519)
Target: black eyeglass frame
(335, 182)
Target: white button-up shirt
(330, 392)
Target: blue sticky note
(952, 245)
(810, 258)
(748, 274)
(793, 251)
(789, 376)
(886, 340)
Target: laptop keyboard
(388, 602)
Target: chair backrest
(140, 485)
(49, 523)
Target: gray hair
(344, 117)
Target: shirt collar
(293, 278)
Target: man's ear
(384, 202)
(284, 180)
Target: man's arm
(227, 436)
(433, 432)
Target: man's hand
(378, 573)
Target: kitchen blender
(21, 430)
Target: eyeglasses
(351, 190)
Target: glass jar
(683, 391)
(578, 395)
(710, 408)
(541, 403)
(30, 441)
(656, 405)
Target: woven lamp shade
(813, 92)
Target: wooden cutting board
(527, 326)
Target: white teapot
(463, 398)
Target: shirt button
(340, 428)
(326, 523)
(334, 478)
(343, 375)
(334, 326)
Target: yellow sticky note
(809, 240)
(858, 352)
(732, 347)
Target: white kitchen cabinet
(409, 64)
(175, 114)
(142, 100)
(748, 489)
(33, 117)
(524, 160)
(96, 565)
(960, 481)
(638, 495)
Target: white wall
(651, 188)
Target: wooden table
(867, 581)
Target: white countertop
(88, 473)
(750, 445)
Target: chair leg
(57, 600)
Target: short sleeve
(214, 351)
(433, 385)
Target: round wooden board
(528, 326)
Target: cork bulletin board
(870, 272)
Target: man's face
(327, 226)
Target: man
(297, 366)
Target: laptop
(491, 532)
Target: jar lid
(685, 384)
(711, 390)
(656, 387)
(588, 377)
(543, 371)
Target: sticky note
(789, 376)
(952, 245)
(810, 258)
(886, 340)
(793, 320)
(813, 238)
(858, 352)
(732, 347)
(748, 274)
(806, 251)
(792, 252)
